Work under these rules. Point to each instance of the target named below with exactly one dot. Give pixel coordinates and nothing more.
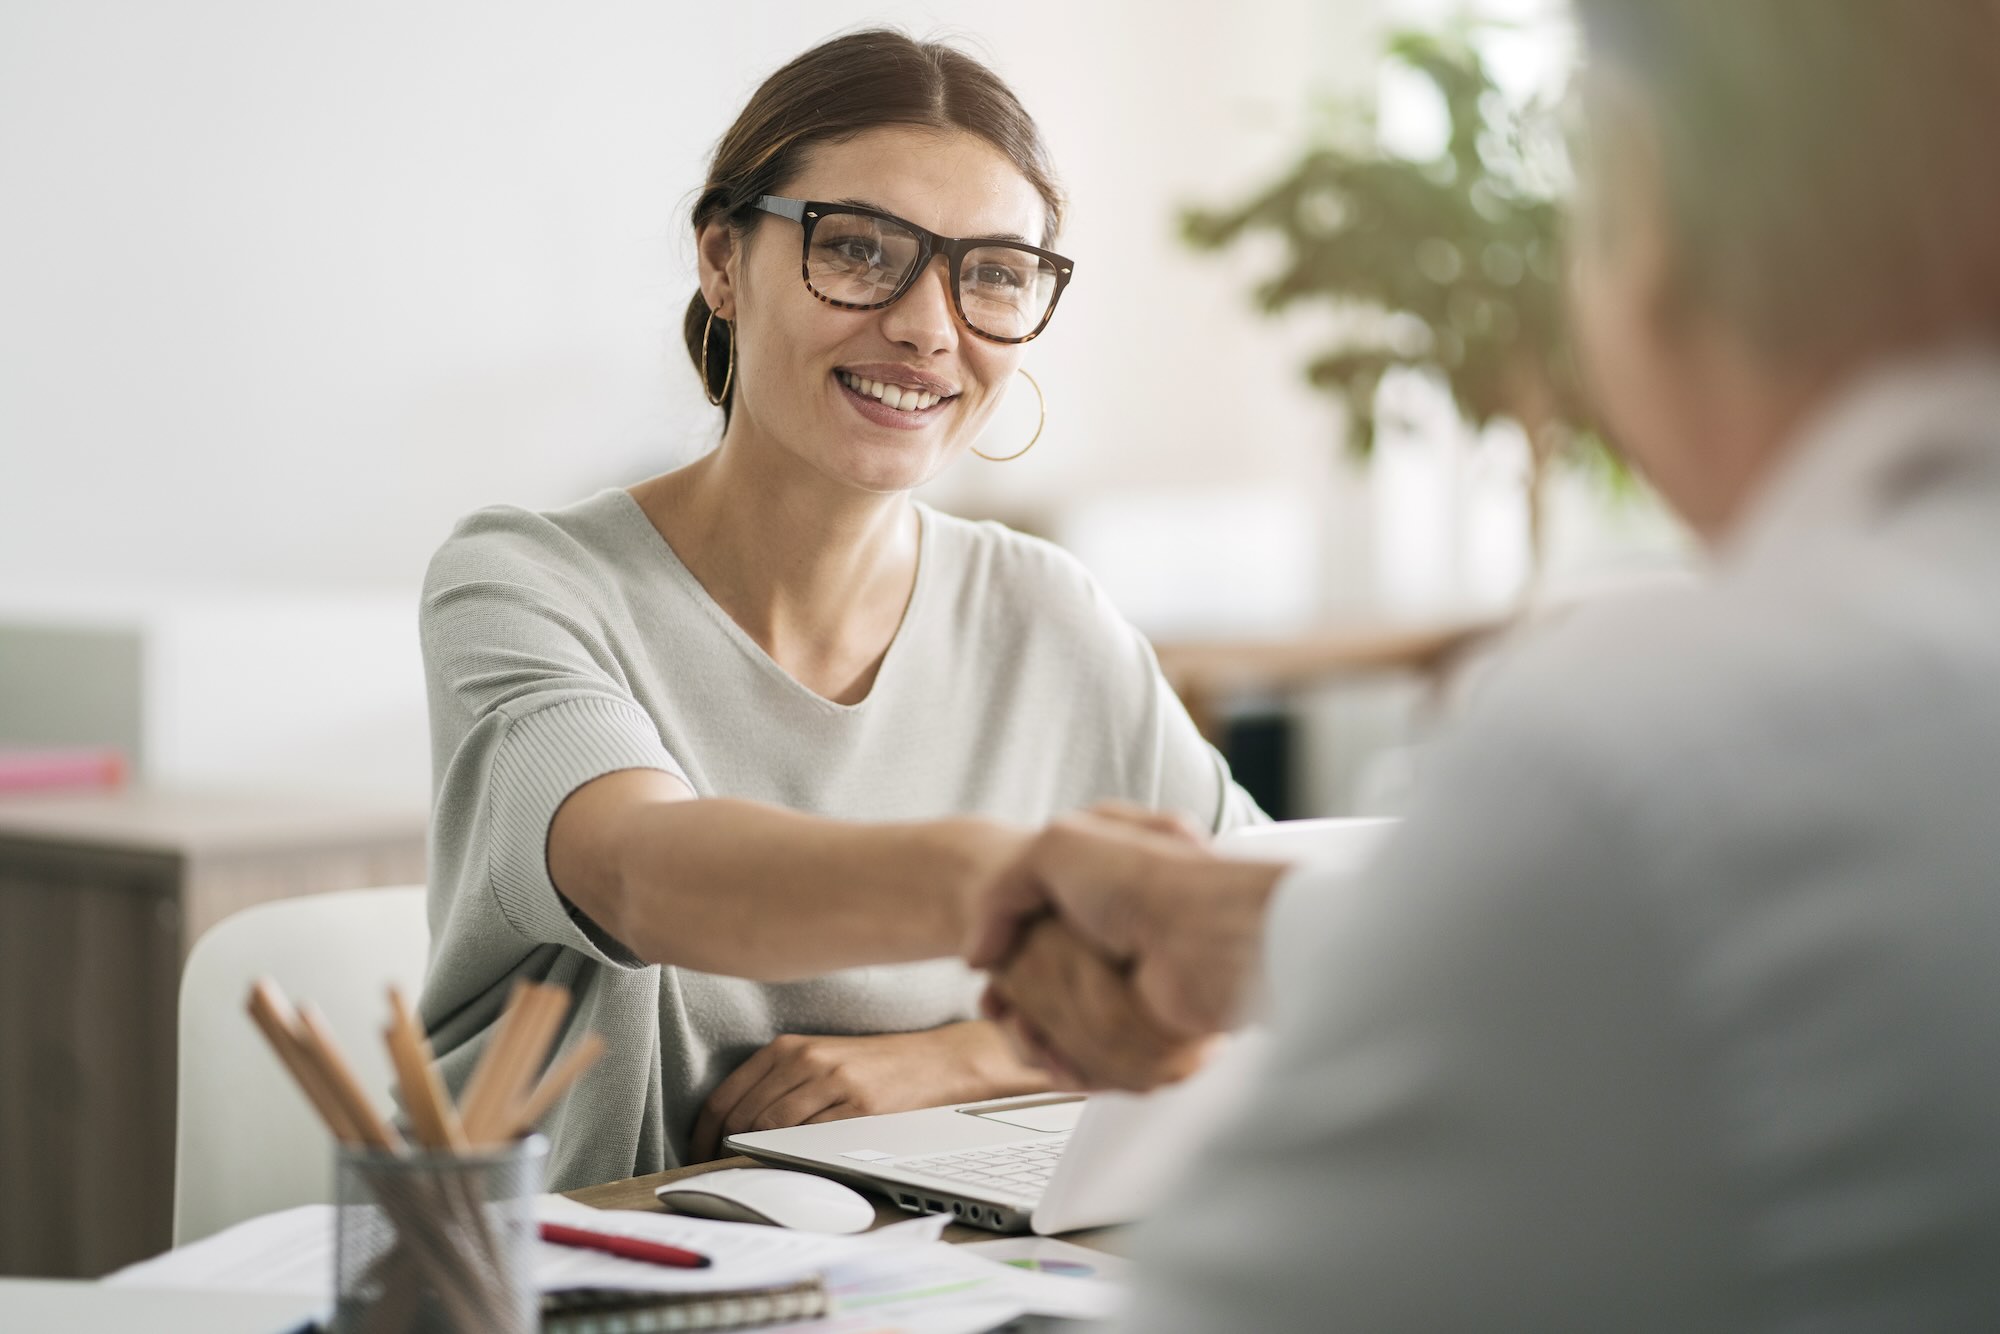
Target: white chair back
(246, 1141)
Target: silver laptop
(1055, 1163)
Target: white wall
(284, 289)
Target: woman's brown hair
(840, 88)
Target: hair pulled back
(838, 89)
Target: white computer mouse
(770, 1195)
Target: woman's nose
(923, 320)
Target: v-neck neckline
(884, 672)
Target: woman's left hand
(797, 1079)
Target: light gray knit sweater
(562, 646)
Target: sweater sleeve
(528, 703)
(1193, 778)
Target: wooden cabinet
(101, 897)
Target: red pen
(630, 1248)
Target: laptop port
(935, 1206)
(907, 1201)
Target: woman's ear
(717, 254)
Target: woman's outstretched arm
(756, 891)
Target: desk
(101, 897)
(637, 1193)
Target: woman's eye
(997, 275)
(855, 250)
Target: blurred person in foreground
(1674, 1003)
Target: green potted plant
(1448, 265)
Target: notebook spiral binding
(594, 1310)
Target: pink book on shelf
(44, 768)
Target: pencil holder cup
(436, 1243)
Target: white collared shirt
(1675, 1004)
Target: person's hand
(1170, 824)
(1069, 1011)
(1187, 926)
(796, 1079)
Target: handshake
(1118, 946)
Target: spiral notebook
(591, 1310)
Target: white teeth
(895, 396)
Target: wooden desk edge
(1210, 665)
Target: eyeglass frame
(808, 212)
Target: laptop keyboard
(1020, 1170)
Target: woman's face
(797, 358)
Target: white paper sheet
(1055, 1257)
(291, 1252)
(945, 1289)
(895, 1279)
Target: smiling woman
(728, 751)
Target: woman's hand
(797, 1079)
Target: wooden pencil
(437, 1125)
(431, 1112)
(324, 1049)
(555, 1083)
(273, 1015)
(478, 1089)
(520, 1061)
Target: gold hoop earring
(718, 399)
(1042, 406)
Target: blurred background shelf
(1206, 672)
(101, 897)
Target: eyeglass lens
(858, 260)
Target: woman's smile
(895, 396)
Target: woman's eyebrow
(984, 236)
